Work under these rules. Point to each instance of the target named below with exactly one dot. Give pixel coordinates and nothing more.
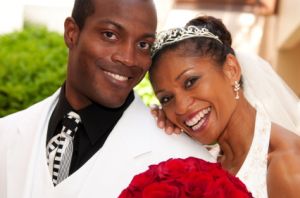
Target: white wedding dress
(253, 172)
(274, 101)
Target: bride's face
(195, 94)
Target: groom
(114, 136)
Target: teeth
(197, 121)
(116, 76)
(197, 126)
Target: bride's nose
(182, 104)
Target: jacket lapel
(119, 153)
(27, 146)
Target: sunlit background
(269, 28)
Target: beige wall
(288, 23)
(289, 67)
(288, 43)
(281, 42)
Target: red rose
(185, 178)
(224, 187)
(173, 168)
(161, 190)
(144, 179)
(195, 184)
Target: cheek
(88, 57)
(90, 47)
(226, 97)
(84, 55)
(143, 61)
(171, 115)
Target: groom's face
(111, 53)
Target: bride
(248, 111)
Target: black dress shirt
(97, 123)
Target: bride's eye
(190, 82)
(164, 100)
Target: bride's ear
(232, 69)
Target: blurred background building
(270, 28)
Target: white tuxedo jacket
(134, 144)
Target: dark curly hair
(203, 46)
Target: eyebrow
(149, 35)
(159, 91)
(120, 27)
(183, 72)
(176, 79)
(107, 21)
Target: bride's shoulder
(284, 151)
(283, 140)
(283, 162)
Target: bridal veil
(263, 84)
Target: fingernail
(153, 106)
(161, 124)
(169, 130)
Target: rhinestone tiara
(174, 35)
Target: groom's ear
(71, 33)
(232, 69)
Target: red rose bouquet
(185, 178)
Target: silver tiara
(174, 35)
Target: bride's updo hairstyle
(202, 46)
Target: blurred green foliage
(32, 67)
(145, 90)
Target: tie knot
(70, 123)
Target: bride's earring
(236, 89)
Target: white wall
(52, 13)
(48, 12)
(11, 15)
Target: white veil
(263, 84)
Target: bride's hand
(162, 121)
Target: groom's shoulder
(29, 112)
(160, 142)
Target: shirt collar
(97, 120)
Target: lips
(118, 80)
(198, 119)
(117, 77)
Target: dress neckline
(253, 172)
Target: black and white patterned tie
(60, 148)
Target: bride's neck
(237, 137)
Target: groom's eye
(109, 35)
(144, 45)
